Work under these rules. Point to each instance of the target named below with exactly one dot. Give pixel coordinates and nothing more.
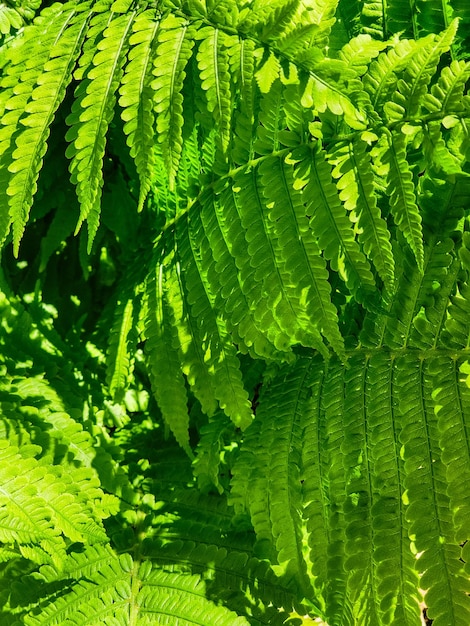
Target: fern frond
(422, 65)
(396, 580)
(209, 452)
(213, 62)
(104, 587)
(451, 395)
(381, 78)
(230, 292)
(269, 20)
(359, 52)
(297, 248)
(457, 329)
(39, 505)
(447, 93)
(244, 243)
(163, 361)
(191, 343)
(31, 143)
(121, 347)
(391, 152)
(175, 41)
(219, 352)
(136, 98)
(24, 67)
(359, 470)
(442, 571)
(274, 496)
(91, 115)
(329, 223)
(322, 14)
(356, 184)
(434, 16)
(324, 91)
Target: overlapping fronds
(277, 248)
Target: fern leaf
(245, 235)
(452, 405)
(104, 587)
(457, 328)
(175, 41)
(38, 505)
(268, 73)
(31, 143)
(315, 465)
(328, 219)
(219, 352)
(338, 607)
(209, 453)
(271, 120)
(91, 114)
(322, 13)
(230, 293)
(359, 51)
(269, 20)
(373, 232)
(382, 21)
(446, 95)
(400, 188)
(396, 578)
(136, 98)
(422, 65)
(19, 79)
(298, 249)
(442, 571)
(359, 469)
(433, 17)
(324, 91)
(166, 377)
(191, 344)
(356, 183)
(274, 496)
(213, 63)
(381, 78)
(121, 346)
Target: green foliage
(241, 393)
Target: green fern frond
(162, 356)
(18, 82)
(324, 91)
(382, 76)
(219, 352)
(248, 237)
(175, 41)
(441, 570)
(91, 115)
(192, 354)
(274, 497)
(213, 62)
(136, 98)
(231, 294)
(356, 185)
(418, 73)
(294, 244)
(391, 152)
(329, 223)
(269, 20)
(39, 504)
(209, 453)
(31, 143)
(121, 348)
